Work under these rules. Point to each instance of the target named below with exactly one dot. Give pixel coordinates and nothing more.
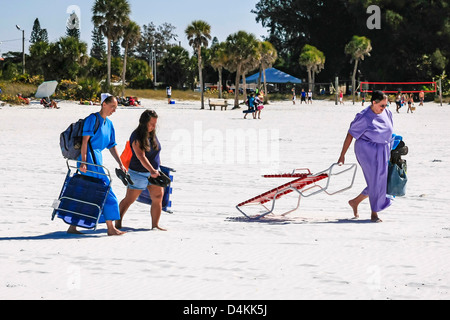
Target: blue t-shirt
(104, 138)
(251, 102)
(152, 155)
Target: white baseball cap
(105, 96)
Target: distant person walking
(303, 96)
(372, 129)
(169, 94)
(251, 103)
(259, 105)
(410, 103)
(421, 97)
(398, 101)
(293, 96)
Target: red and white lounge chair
(303, 184)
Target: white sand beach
(210, 251)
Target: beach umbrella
(46, 89)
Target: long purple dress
(373, 134)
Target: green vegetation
(307, 38)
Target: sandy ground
(210, 250)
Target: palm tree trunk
(313, 80)
(354, 80)
(108, 79)
(124, 71)
(219, 87)
(236, 90)
(260, 76)
(244, 84)
(309, 77)
(200, 77)
(266, 99)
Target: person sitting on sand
(122, 101)
(145, 163)
(372, 129)
(22, 99)
(132, 102)
(49, 103)
(87, 103)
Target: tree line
(412, 43)
(321, 39)
(67, 58)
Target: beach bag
(126, 155)
(397, 179)
(70, 140)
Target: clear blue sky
(225, 18)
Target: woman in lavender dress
(372, 129)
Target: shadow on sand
(63, 235)
(280, 220)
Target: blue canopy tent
(273, 76)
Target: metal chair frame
(291, 187)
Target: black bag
(71, 139)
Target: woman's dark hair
(377, 96)
(143, 135)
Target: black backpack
(71, 139)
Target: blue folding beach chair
(82, 197)
(166, 203)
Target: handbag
(397, 179)
(126, 155)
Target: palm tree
(110, 16)
(198, 33)
(251, 64)
(218, 62)
(314, 61)
(131, 37)
(268, 55)
(241, 49)
(357, 48)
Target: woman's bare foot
(115, 232)
(159, 228)
(354, 206)
(118, 224)
(73, 230)
(374, 217)
(112, 231)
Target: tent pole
(336, 87)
